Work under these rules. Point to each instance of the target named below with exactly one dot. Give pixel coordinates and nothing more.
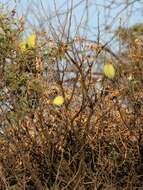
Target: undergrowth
(94, 140)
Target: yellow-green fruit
(109, 71)
(58, 100)
(22, 46)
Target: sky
(101, 15)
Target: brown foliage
(93, 141)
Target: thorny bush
(94, 140)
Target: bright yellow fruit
(31, 41)
(109, 71)
(58, 100)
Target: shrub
(93, 139)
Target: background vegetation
(94, 140)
